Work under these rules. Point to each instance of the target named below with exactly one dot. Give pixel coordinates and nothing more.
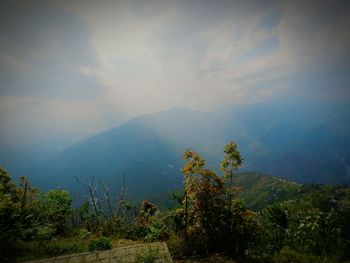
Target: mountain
(148, 162)
(260, 190)
(303, 141)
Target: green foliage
(115, 226)
(44, 233)
(57, 209)
(260, 190)
(149, 224)
(7, 187)
(213, 221)
(296, 223)
(102, 243)
(19, 212)
(62, 248)
(150, 256)
(155, 230)
(87, 218)
(25, 215)
(29, 250)
(288, 255)
(232, 160)
(84, 234)
(318, 233)
(177, 246)
(275, 219)
(207, 210)
(312, 233)
(241, 230)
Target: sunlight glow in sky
(72, 68)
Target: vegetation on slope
(259, 191)
(284, 221)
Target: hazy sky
(73, 68)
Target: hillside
(129, 150)
(260, 190)
(303, 143)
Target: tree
(213, 221)
(8, 208)
(319, 233)
(19, 212)
(191, 171)
(276, 221)
(231, 162)
(209, 209)
(57, 209)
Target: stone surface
(125, 254)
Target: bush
(147, 257)
(44, 233)
(84, 234)
(155, 230)
(287, 255)
(62, 248)
(115, 226)
(57, 209)
(177, 246)
(102, 243)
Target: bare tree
(114, 210)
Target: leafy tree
(87, 218)
(191, 171)
(208, 209)
(241, 230)
(9, 215)
(231, 162)
(19, 212)
(275, 218)
(213, 221)
(318, 233)
(57, 206)
(149, 224)
(7, 187)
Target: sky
(69, 69)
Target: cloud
(36, 121)
(314, 40)
(41, 52)
(117, 59)
(175, 53)
(202, 54)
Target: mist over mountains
(303, 141)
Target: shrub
(84, 234)
(61, 248)
(149, 256)
(102, 243)
(115, 226)
(155, 230)
(177, 246)
(287, 255)
(57, 209)
(44, 233)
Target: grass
(32, 250)
(149, 256)
(209, 259)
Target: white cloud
(171, 59)
(25, 119)
(152, 56)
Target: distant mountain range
(304, 141)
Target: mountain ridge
(283, 141)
